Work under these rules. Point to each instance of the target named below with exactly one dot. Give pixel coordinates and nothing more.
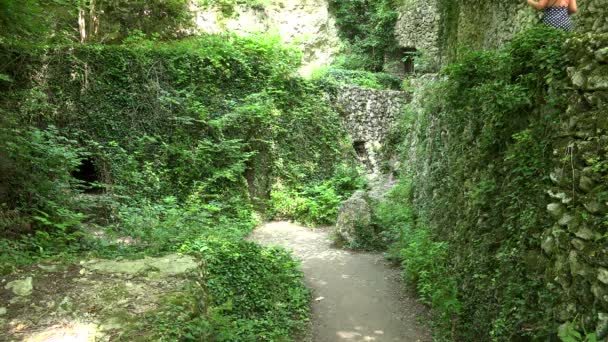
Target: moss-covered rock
(353, 227)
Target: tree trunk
(82, 24)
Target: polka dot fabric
(558, 17)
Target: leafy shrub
(425, 263)
(259, 291)
(484, 182)
(313, 205)
(330, 78)
(165, 225)
(316, 203)
(393, 216)
(35, 178)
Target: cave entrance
(88, 173)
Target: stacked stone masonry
(578, 199)
(368, 116)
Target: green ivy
(493, 117)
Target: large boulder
(353, 227)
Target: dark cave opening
(88, 173)
(362, 155)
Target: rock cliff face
(306, 24)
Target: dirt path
(357, 296)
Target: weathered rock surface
(164, 266)
(95, 300)
(21, 287)
(307, 24)
(436, 27)
(368, 115)
(354, 218)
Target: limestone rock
(555, 209)
(601, 55)
(576, 266)
(602, 326)
(598, 80)
(602, 275)
(22, 287)
(354, 218)
(306, 24)
(585, 233)
(557, 177)
(548, 245)
(586, 183)
(600, 291)
(569, 221)
(596, 207)
(579, 79)
(368, 116)
(578, 244)
(168, 265)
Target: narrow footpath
(356, 296)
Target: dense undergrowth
(469, 211)
(171, 145)
(253, 294)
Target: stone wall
(305, 23)
(573, 246)
(439, 27)
(578, 198)
(368, 116)
(418, 26)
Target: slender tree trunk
(82, 24)
(94, 19)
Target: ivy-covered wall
(507, 162)
(577, 197)
(440, 27)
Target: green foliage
(313, 205)
(330, 78)
(425, 260)
(367, 27)
(567, 333)
(165, 225)
(240, 292)
(258, 291)
(184, 134)
(20, 18)
(316, 203)
(101, 21)
(35, 176)
(426, 263)
(114, 20)
(186, 139)
(393, 216)
(486, 158)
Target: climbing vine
(485, 137)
